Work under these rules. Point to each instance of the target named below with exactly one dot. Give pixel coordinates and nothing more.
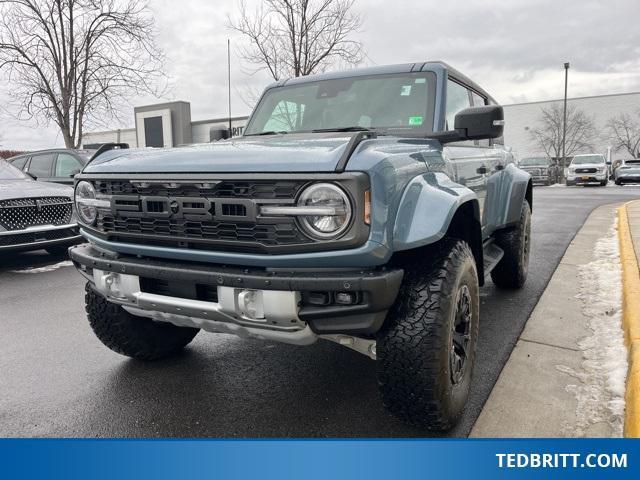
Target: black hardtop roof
(386, 69)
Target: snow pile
(48, 268)
(600, 393)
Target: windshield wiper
(343, 129)
(270, 132)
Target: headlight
(333, 207)
(85, 202)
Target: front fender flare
(426, 209)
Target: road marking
(48, 268)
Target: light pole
(564, 117)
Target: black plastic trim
(379, 287)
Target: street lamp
(564, 116)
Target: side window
(286, 116)
(66, 165)
(457, 99)
(19, 162)
(40, 165)
(478, 101)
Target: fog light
(346, 298)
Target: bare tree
(581, 131)
(292, 38)
(624, 133)
(72, 61)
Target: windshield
(529, 162)
(9, 172)
(583, 159)
(403, 103)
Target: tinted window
(40, 165)
(18, 162)
(586, 159)
(399, 102)
(67, 165)
(457, 99)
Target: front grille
(259, 189)
(33, 237)
(586, 170)
(166, 217)
(18, 214)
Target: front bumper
(374, 292)
(586, 178)
(35, 238)
(628, 179)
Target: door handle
(482, 170)
(499, 167)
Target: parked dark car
(35, 215)
(627, 172)
(543, 170)
(58, 165)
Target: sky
(515, 49)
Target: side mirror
(475, 123)
(74, 172)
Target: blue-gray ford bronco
(365, 208)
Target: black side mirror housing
(474, 123)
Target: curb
(630, 322)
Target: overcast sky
(515, 49)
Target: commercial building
(170, 124)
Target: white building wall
(521, 119)
(127, 135)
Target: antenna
(229, 80)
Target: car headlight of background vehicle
(85, 200)
(323, 211)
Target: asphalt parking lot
(56, 379)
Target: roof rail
(108, 146)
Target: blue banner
(319, 459)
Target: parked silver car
(35, 215)
(628, 172)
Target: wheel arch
(432, 208)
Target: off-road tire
(415, 346)
(511, 272)
(57, 250)
(136, 337)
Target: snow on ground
(48, 268)
(600, 393)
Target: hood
(280, 153)
(10, 189)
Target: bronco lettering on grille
(197, 209)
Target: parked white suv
(590, 169)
